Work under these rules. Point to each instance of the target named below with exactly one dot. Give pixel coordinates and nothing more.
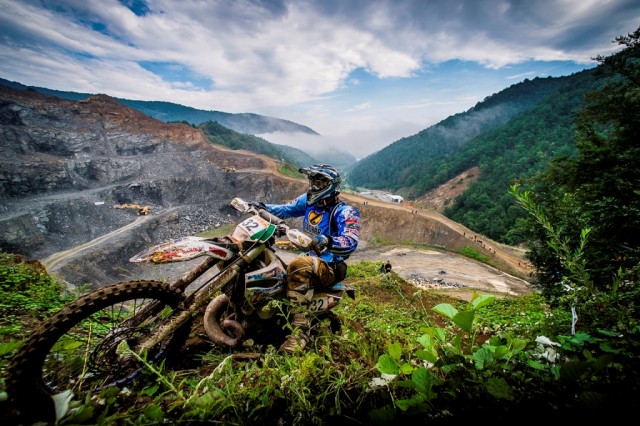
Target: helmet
(324, 182)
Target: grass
(403, 354)
(290, 170)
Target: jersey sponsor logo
(315, 217)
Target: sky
(362, 73)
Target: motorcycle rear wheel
(83, 347)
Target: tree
(599, 189)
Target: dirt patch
(442, 196)
(445, 272)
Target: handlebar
(297, 237)
(270, 217)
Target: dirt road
(506, 254)
(58, 257)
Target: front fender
(181, 250)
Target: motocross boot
(299, 296)
(304, 274)
(299, 337)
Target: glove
(257, 204)
(322, 242)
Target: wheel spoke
(84, 346)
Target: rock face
(65, 165)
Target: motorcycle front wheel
(87, 346)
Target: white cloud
(296, 59)
(360, 107)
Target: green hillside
(512, 134)
(409, 164)
(523, 147)
(221, 135)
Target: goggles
(318, 184)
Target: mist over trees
(221, 135)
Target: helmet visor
(317, 185)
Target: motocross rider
(336, 227)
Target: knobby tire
(82, 347)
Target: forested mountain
(523, 147)
(415, 164)
(248, 123)
(222, 135)
(512, 134)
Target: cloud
(298, 58)
(360, 107)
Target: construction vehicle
(142, 210)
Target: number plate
(318, 304)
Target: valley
(60, 192)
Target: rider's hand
(321, 243)
(281, 231)
(257, 204)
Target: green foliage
(184, 122)
(576, 289)
(438, 365)
(221, 135)
(526, 315)
(584, 213)
(27, 295)
(25, 287)
(363, 269)
(474, 253)
(390, 362)
(290, 170)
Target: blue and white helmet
(324, 182)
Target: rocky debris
(435, 282)
(192, 220)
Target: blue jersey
(340, 223)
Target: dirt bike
(103, 338)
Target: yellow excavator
(142, 210)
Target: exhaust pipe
(229, 332)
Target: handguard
(301, 240)
(305, 242)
